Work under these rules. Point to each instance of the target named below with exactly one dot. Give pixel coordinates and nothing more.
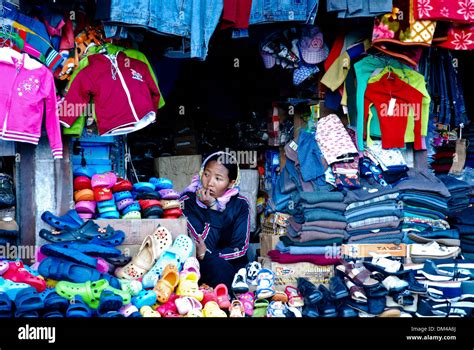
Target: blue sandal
(65, 253)
(28, 300)
(53, 301)
(109, 302)
(69, 220)
(5, 305)
(78, 308)
(103, 250)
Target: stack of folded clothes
(373, 214)
(464, 222)
(444, 157)
(460, 193)
(386, 166)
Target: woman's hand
(205, 197)
(200, 248)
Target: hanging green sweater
(77, 128)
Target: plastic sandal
(167, 204)
(27, 314)
(222, 294)
(78, 309)
(183, 246)
(144, 298)
(276, 309)
(5, 305)
(161, 183)
(11, 288)
(236, 309)
(187, 304)
(247, 301)
(109, 302)
(265, 284)
(63, 270)
(191, 265)
(3, 267)
(129, 310)
(119, 261)
(167, 284)
(85, 233)
(18, 273)
(116, 239)
(154, 212)
(169, 306)
(68, 254)
(260, 308)
(147, 311)
(84, 171)
(208, 295)
(81, 183)
(280, 296)
(169, 194)
(172, 213)
(131, 286)
(69, 220)
(211, 309)
(122, 185)
(53, 301)
(102, 250)
(27, 300)
(150, 279)
(295, 299)
(188, 286)
(53, 314)
(135, 206)
(143, 187)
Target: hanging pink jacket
(26, 88)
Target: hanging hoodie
(124, 94)
(27, 88)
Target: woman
(218, 219)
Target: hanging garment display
(27, 89)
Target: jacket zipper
(17, 72)
(122, 81)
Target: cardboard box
(365, 250)
(137, 230)
(179, 169)
(268, 242)
(287, 274)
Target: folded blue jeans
(309, 157)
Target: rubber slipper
(69, 220)
(85, 233)
(124, 203)
(3, 267)
(53, 301)
(148, 195)
(63, 270)
(78, 308)
(103, 250)
(5, 305)
(167, 284)
(122, 185)
(84, 171)
(169, 194)
(294, 297)
(143, 187)
(81, 183)
(188, 286)
(17, 273)
(104, 210)
(150, 279)
(154, 212)
(69, 254)
(148, 203)
(276, 309)
(144, 298)
(53, 314)
(116, 239)
(183, 246)
(167, 204)
(109, 302)
(222, 294)
(27, 300)
(132, 215)
(119, 196)
(172, 213)
(103, 204)
(191, 264)
(85, 207)
(103, 180)
(83, 195)
(247, 300)
(135, 206)
(161, 183)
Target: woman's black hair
(229, 162)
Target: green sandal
(89, 291)
(260, 308)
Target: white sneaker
(432, 250)
(239, 284)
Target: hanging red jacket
(125, 96)
(394, 100)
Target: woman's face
(215, 178)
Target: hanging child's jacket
(26, 88)
(124, 94)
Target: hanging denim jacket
(264, 11)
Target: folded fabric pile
(373, 214)
(460, 193)
(444, 157)
(463, 221)
(386, 166)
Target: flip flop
(78, 309)
(69, 220)
(5, 305)
(28, 300)
(18, 273)
(65, 253)
(63, 270)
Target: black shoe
(310, 293)
(310, 310)
(337, 288)
(7, 198)
(326, 305)
(344, 310)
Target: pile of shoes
(8, 226)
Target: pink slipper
(247, 301)
(222, 294)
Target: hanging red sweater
(393, 100)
